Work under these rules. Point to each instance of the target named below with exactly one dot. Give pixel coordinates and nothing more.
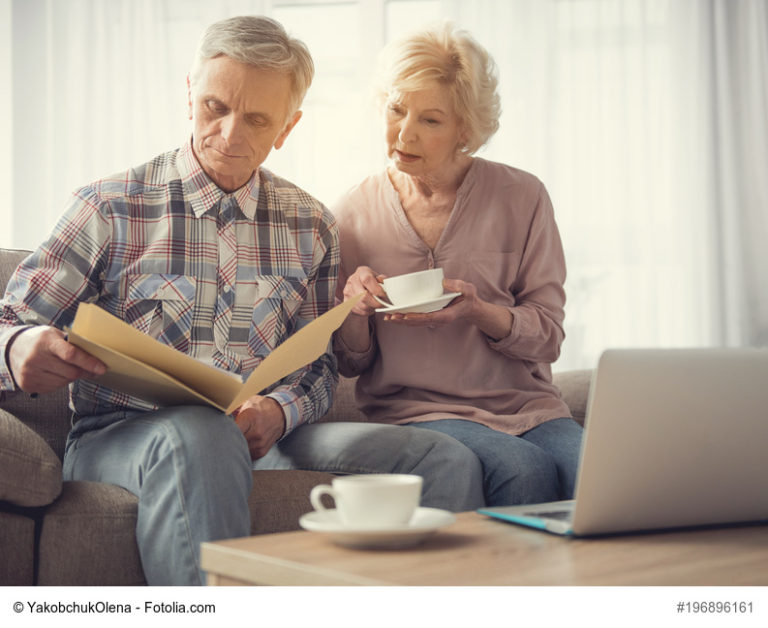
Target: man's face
(239, 113)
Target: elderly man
(212, 254)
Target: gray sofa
(82, 533)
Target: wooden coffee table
(477, 550)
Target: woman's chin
(407, 167)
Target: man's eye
(216, 107)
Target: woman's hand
(365, 279)
(494, 321)
(354, 330)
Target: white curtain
(646, 119)
(97, 85)
(739, 45)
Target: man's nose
(231, 129)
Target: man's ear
(189, 96)
(287, 129)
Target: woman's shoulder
(497, 172)
(361, 195)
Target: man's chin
(229, 181)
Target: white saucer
(425, 521)
(432, 305)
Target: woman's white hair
(445, 55)
(261, 42)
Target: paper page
(99, 327)
(143, 367)
(303, 347)
(141, 380)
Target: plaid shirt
(222, 277)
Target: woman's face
(423, 133)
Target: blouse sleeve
(538, 314)
(352, 363)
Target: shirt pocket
(273, 310)
(162, 305)
(494, 274)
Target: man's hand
(41, 360)
(262, 422)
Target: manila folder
(143, 367)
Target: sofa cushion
(574, 389)
(344, 406)
(48, 414)
(30, 472)
(17, 548)
(9, 260)
(92, 526)
(88, 537)
(279, 498)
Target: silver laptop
(674, 438)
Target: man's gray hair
(261, 42)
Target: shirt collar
(203, 194)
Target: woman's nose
(407, 130)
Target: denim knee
(453, 475)
(528, 477)
(207, 430)
(450, 451)
(208, 442)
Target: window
(603, 100)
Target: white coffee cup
(417, 287)
(376, 500)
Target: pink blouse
(502, 237)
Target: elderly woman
(479, 369)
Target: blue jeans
(191, 470)
(453, 476)
(537, 466)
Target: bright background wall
(646, 120)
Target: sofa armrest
(30, 471)
(47, 415)
(574, 389)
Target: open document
(141, 366)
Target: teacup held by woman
(411, 288)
